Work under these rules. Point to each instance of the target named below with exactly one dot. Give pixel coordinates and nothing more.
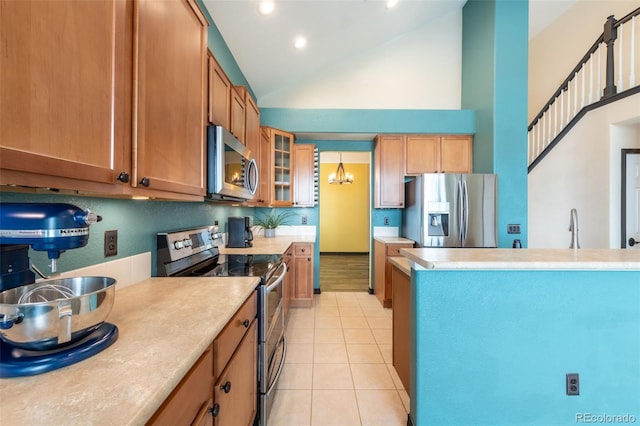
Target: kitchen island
(165, 325)
(495, 331)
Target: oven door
(274, 368)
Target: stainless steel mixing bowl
(53, 313)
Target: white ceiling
(337, 30)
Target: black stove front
(240, 265)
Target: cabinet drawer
(394, 250)
(303, 249)
(227, 341)
(187, 399)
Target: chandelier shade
(340, 177)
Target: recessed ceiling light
(266, 7)
(391, 3)
(300, 42)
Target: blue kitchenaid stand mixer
(54, 228)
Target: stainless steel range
(194, 252)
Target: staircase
(605, 74)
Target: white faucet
(573, 227)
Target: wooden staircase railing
(587, 87)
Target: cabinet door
(282, 154)
(219, 110)
(235, 391)
(288, 281)
(303, 275)
(304, 175)
(456, 154)
(263, 194)
(252, 139)
(422, 154)
(389, 172)
(237, 115)
(171, 63)
(379, 268)
(65, 89)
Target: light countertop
(402, 263)
(165, 324)
(549, 259)
(393, 240)
(274, 245)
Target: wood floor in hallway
(344, 272)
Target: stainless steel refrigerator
(451, 210)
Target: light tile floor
(338, 369)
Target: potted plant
(272, 220)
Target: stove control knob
(187, 242)
(178, 245)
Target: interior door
(631, 231)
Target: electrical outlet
(387, 222)
(513, 229)
(304, 220)
(110, 243)
(573, 384)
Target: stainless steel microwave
(232, 172)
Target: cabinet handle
(246, 323)
(226, 387)
(308, 259)
(123, 177)
(215, 410)
(302, 250)
(145, 181)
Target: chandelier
(340, 176)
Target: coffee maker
(239, 234)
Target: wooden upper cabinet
(423, 154)
(456, 154)
(219, 105)
(65, 82)
(263, 194)
(389, 155)
(237, 115)
(304, 175)
(282, 165)
(438, 154)
(252, 138)
(171, 40)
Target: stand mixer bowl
(54, 313)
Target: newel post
(609, 36)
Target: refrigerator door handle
(465, 210)
(460, 212)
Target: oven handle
(278, 281)
(281, 366)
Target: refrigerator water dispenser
(438, 225)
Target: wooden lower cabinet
(221, 388)
(303, 275)
(382, 284)
(234, 394)
(401, 325)
(288, 281)
(185, 403)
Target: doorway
(630, 232)
(345, 231)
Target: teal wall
(137, 223)
(494, 84)
(369, 120)
(493, 347)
